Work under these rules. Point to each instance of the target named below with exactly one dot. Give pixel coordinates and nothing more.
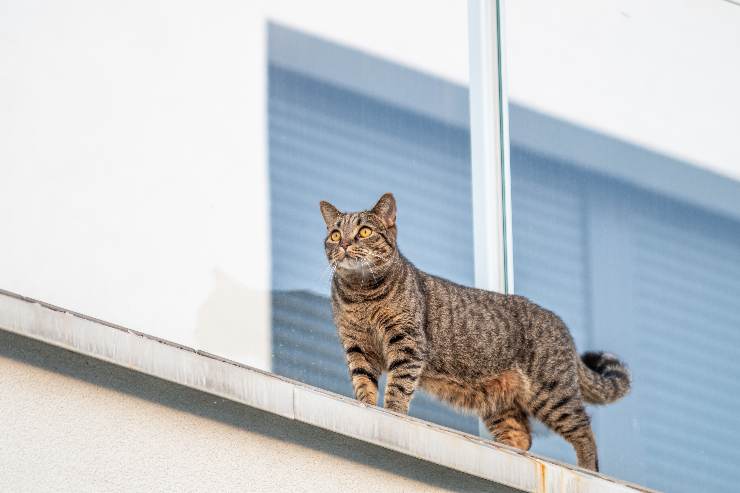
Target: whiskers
(327, 273)
(365, 263)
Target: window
(336, 139)
(627, 223)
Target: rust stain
(541, 482)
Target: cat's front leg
(364, 369)
(403, 352)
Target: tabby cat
(499, 356)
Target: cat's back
(441, 293)
(471, 319)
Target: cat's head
(361, 242)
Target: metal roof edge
(294, 400)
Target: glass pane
(162, 167)
(346, 126)
(625, 170)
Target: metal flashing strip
(294, 400)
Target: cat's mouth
(351, 263)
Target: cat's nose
(344, 243)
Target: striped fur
(499, 356)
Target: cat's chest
(370, 320)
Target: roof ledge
(295, 400)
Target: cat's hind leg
(565, 414)
(510, 426)
(503, 414)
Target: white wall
(134, 178)
(663, 74)
(133, 138)
(134, 165)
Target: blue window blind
(657, 281)
(329, 143)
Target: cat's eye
(335, 236)
(365, 232)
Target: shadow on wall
(234, 322)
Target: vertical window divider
(489, 144)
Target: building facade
(162, 165)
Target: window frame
(489, 145)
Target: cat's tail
(603, 377)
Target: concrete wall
(72, 423)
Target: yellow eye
(365, 232)
(335, 236)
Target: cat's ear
(386, 209)
(329, 212)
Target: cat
(499, 356)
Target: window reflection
(654, 277)
(328, 142)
